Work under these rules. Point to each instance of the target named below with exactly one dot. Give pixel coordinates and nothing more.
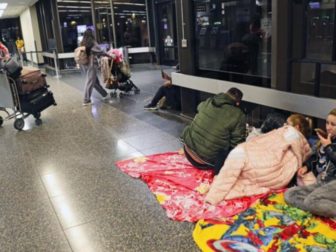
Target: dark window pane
(104, 24)
(131, 23)
(234, 36)
(75, 18)
(320, 29)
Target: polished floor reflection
(60, 190)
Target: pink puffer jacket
(266, 162)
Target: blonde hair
(304, 124)
(332, 112)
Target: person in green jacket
(216, 129)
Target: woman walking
(93, 51)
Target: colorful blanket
(270, 225)
(179, 187)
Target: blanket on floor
(270, 225)
(179, 187)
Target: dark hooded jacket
(219, 125)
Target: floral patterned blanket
(180, 188)
(270, 225)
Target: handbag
(12, 68)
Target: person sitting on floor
(320, 197)
(217, 128)
(168, 91)
(267, 162)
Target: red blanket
(178, 187)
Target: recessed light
(3, 6)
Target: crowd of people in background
(12, 49)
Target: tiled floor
(59, 188)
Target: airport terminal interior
(66, 181)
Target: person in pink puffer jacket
(267, 162)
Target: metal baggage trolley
(10, 102)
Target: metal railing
(55, 56)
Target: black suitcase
(37, 101)
(33, 95)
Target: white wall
(303, 104)
(31, 33)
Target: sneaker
(106, 97)
(87, 103)
(151, 107)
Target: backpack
(81, 57)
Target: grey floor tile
(60, 188)
(149, 140)
(31, 225)
(168, 146)
(112, 193)
(104, 238)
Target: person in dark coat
(216, 129)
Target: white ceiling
(16, 7)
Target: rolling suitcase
(30, 80)
(37, 101)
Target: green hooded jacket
(218, 125)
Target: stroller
(120, 75)
(122, 80)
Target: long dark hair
(88, 40)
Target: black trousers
(218, 164)
(172, 95)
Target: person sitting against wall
(217, 128)
(320, 196)
(267, 162)
(168, 91)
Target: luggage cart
(10, 102)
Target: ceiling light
(3, 6)
(73, 1)
(127, 3)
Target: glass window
(320, 29)
(104, 24)
(314, 79)
(166, 22)
(234, 36)
(9, 31)
(314, 72)
(75, 17)
(131, 23)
